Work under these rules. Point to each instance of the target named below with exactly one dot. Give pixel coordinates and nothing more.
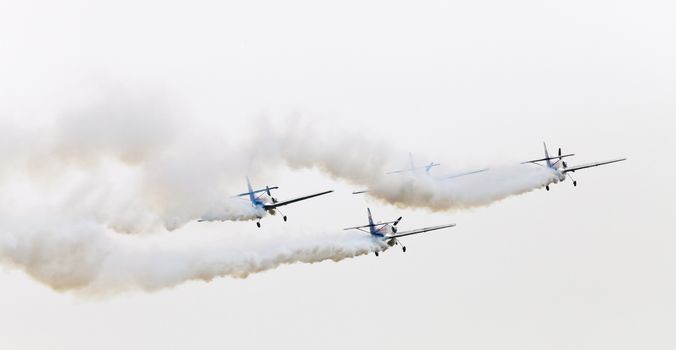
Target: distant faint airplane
(271, 206)
(561, 168)
(427, 168)
(413, 168)
(387, 231)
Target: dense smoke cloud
(75, 194)
(84, 257)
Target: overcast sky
(468, 84)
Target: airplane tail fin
(371, 226)
(548, 160)
(251, 192)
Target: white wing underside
(584, 166)
(416, 231)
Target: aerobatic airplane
(428, 169)
(561, 168)
(262, 205)
(387, 232)
(413, 169)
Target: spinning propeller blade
(397, 221)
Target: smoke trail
(424, 191)
(364, 163)
(86, 258)
(129, 164)
(233, 209)
(145, 169)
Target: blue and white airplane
(386, 232)
(561, 168)
(272, 206)
(269, 204)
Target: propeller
(563, 162)
(394, 225)
(397, 221)
(267, 190)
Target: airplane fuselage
(561, 176)
(381, 236)
(555, 166)
(259, 205)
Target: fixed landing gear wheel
(575, 183)
(258, 224)
(404, 249)
(547, 187)
(284, 218)
(376, 253)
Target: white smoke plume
(424, 191)
(129, 162)
(86, 258)
(79, 196)
(364, 163)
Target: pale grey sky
(466, 84)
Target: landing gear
(547, 187)
(376, 253)
(283, 216)
(258, 223)
(574, 181)
(403, 247)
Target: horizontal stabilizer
(374, 225)
(548, 158)
(257, 191)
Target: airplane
(427, 168)
(413, 168)
(387, 231)
(561, 168)
(271, 207)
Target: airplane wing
(399, 171)
(463, 174)
(360, 192)
(578, 167)
(426, 167)
(420, 230)
(279, 204)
